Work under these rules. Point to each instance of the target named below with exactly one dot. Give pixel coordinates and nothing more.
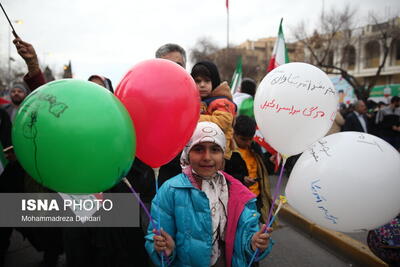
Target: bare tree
(336, 33)
(389, 34)
(226, 59)
(203, 50)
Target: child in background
(216, 100)
(244, 99)
(102, 81)
(247, 164)
(208, 218)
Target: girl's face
(204, 86)
(206, 159)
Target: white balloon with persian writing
(294, 106)
(347, 182)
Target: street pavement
(292, 248)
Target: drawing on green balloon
(30, 132)
(56, 108)
(29, 127)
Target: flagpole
(227, 23)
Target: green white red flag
(279, 54)
(237, 76)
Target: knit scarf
(216, 190)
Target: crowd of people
(214, 196)
(379, 119)
(225, 226)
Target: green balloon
(74, 136)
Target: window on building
(261, 49)
(394, 53)
(372, 53)
(251, 58)
(329, 59)
(349, 57)
(380, 27)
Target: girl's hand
(260, 240)
(163, 242)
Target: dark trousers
(5, 234)
(105, 247)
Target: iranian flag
(279, 54)
(279, 57)
(237, 76)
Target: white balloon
(347, 182)
(294, 106)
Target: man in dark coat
(357, 120)
(388, 120)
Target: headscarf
(205, 132)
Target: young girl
(216, 100)
(208, 218)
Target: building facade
(359, 51)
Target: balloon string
(269, 223)
(141, 203)
(277, 189)
(282, 201)
(156, 172)
(153, 225)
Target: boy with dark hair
(245, 98)
(248, 86)
(216, 100)
(247, 164)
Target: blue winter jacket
(185, 215)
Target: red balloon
(164, 104)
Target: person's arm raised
(27, 52)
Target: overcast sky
(109, 37)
